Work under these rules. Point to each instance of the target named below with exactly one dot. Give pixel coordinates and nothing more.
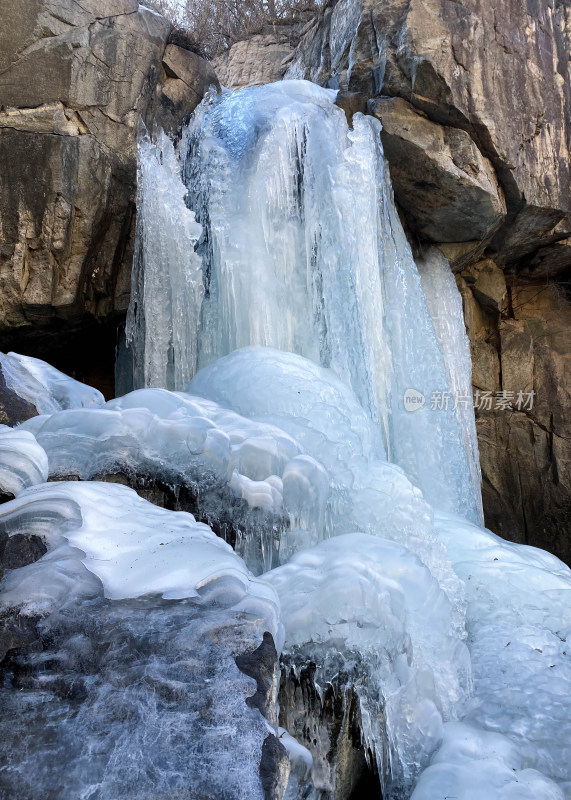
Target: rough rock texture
(75, 78)
(327, 721)
(447, 190)
(498, 70)
(187, 79)
(521, 341)
(263, 57)
(13, 408)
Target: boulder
(447, 190)
(187, 79)
(497, 70)
(264, 56)
(254, 61)
(76, 76)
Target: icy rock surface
(23, 462)
(514, 739)
(311, 403)
(362, 601)
(302, 250)
(185, 440)
(133, 690)
(45, 387)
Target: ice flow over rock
(276, 325)
(302, 250)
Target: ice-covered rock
(187, 441)
(132, 687)
(475, 764)
(45, 387)
(519, 623)
(366, 493)
(368, 608)
(23, 462)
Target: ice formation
(44, 386)
(140, 614)
(445, 306)
(280, 333)
(23, 462)
(371, 602)
(302, 250)
(183, 440)
(167, 287)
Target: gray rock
(13, 408)
(446, 188)
(75, 78)
(22, 549)
(188, 78)
(497, 70)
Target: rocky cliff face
(75, 79)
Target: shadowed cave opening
(85, 351)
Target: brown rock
(255, 61)
(188, 78)
(328, 722)
(525, 454)
(488, 283)
(352, 103)
(75, 78)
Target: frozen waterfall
(302, 391)
(302, 250)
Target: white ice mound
(297, 395)
(23, 462)
(519, 627)
(174, 436)
(310, 403)
(44, 386)
(473, 764)
(375, 604)
(133, 547)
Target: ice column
(167, 286)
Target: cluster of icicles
(277, 320)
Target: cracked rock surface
(75, 78)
